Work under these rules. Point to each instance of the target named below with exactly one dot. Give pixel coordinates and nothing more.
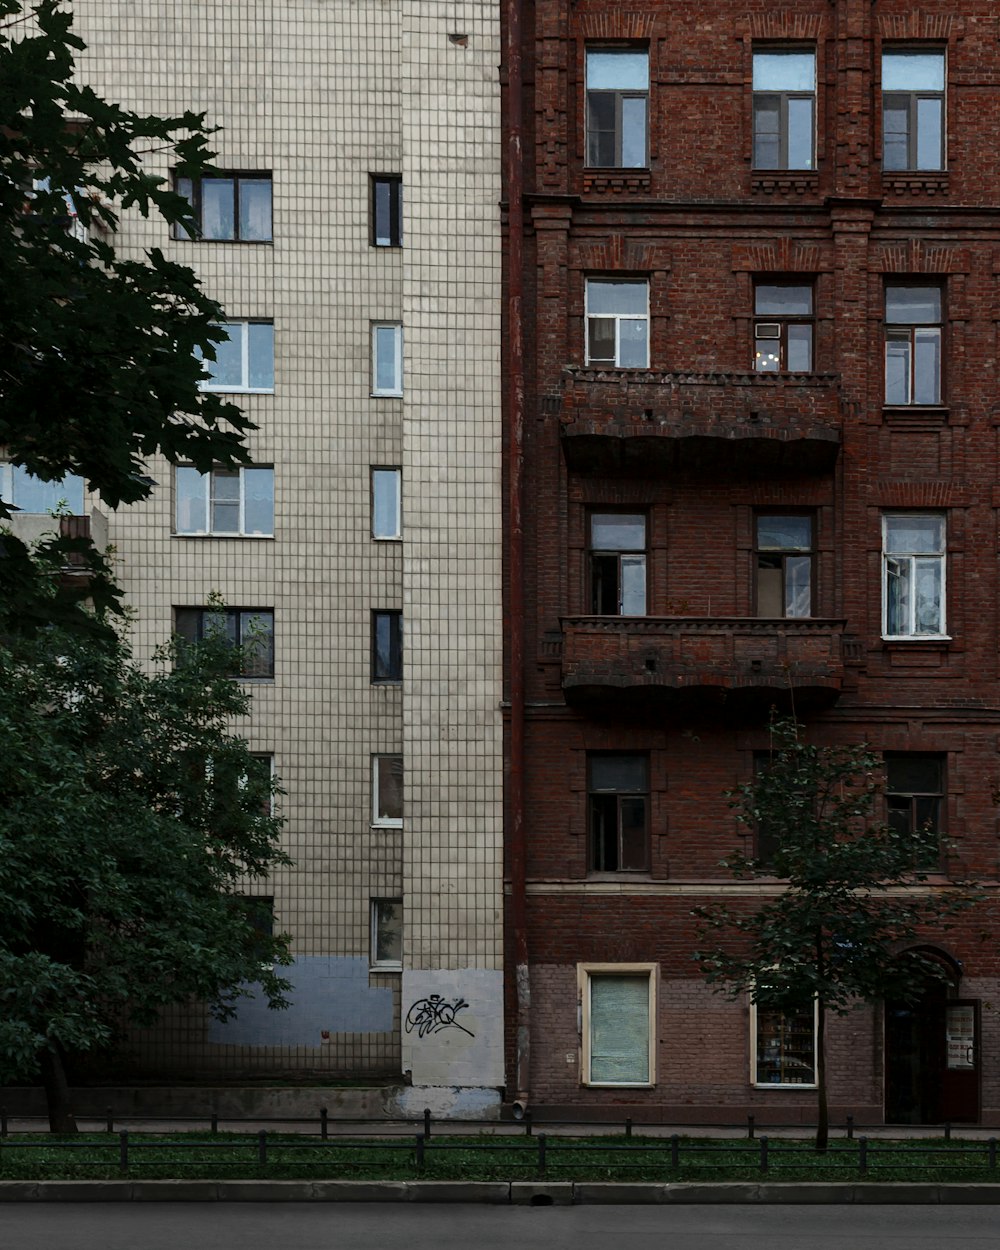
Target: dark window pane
(601, 129)
(767, 132)
(604, 832)
(387, 649)
(633, 833)
(604, 585)
(784, 533)
(769, 586)
(619, 772)
(783, 300)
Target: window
(250, 629)
(232, 207)
(783, 340)
(21, 490)
(914, 575)
(914, 799)
(618, 323)
(387, 646)
(784, 102)
(387, 504)
(236, 502)
(258, 912)
(784, 581)
(783, 1045)
(913, 108)
(618, 564)
(387, 358)
(387, 934)
(244, 359)
(767, 843)
(261, 775)
(387, 791)
(913, 334)
(619, 1011)
(387, 210)
(618, 800)
(617, 103)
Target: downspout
(514, 177)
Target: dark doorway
(932, 1059)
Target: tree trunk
(823, 1114)
(61, 1117)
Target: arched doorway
(932, 1051)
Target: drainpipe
(514, 177)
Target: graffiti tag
(434, 1013)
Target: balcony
(642, 421)
(733, 662)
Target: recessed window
(387, 210)
(618, 564)
(387, 791)
(766, 840)
(913, 334)
(262, 776)
(387, 504)
(387, 358)
(784, 582)
(618, 801)
(618, 323)
(617, 106)
(237, 503)
(230, 207)
(244, 358)
(249, 629)
(913, 81)
(784, 108)
(619, 1014)
(386, 934)
(258, 911)
(22, 490)
(914, 799)
(784, 1046)
(387, 646)
(913, 563)
(783, 327)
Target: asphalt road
(409, 1226)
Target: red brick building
(753, 431)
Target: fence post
(947, 1130)
(750, 1127)
(427, 1123)
(628, 1127)
(863, 1155)
(215, 1123)
(420, 1152)
(541, 1154)
(123, 1149)
(993, 1153)
(675, 1151)
(763, 1154)
(527, 1124)
(324, 1127)
(111, 1121)
(3, 1121)
(850, 1128)
(262, 1147)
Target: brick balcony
(639, 420)
(702, 660)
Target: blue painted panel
(328, 992)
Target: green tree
(132, 824)
(856, 898)
(99, 351)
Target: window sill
(783, 1085)
(631, 874)
(928, 414)
(386, 538)
(385, 967)
(617, 180)
(385, 394)
(242, 537)
(386, 824)
(237, 390)
(909, 642)
(238, 242)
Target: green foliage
(100, 369)
(131, 820)
(855, 897)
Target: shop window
(784, 1046)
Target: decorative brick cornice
(918, 24)
(608, 23)
(785, 24)
(931, 185)
(781, 256)
(915, 256)
(617, 181)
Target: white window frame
(586, 973)
(374, 963)
(618, 318)
(384, 822)
(912, 557)
(397, 362)
(207, 485)
(242, 323)
(397, 488)
(753, 1054)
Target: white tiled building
(386, 341)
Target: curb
(502, 1193)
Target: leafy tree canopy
(132, 823)
(100, 367)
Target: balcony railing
(703, 660)
(637, 420)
